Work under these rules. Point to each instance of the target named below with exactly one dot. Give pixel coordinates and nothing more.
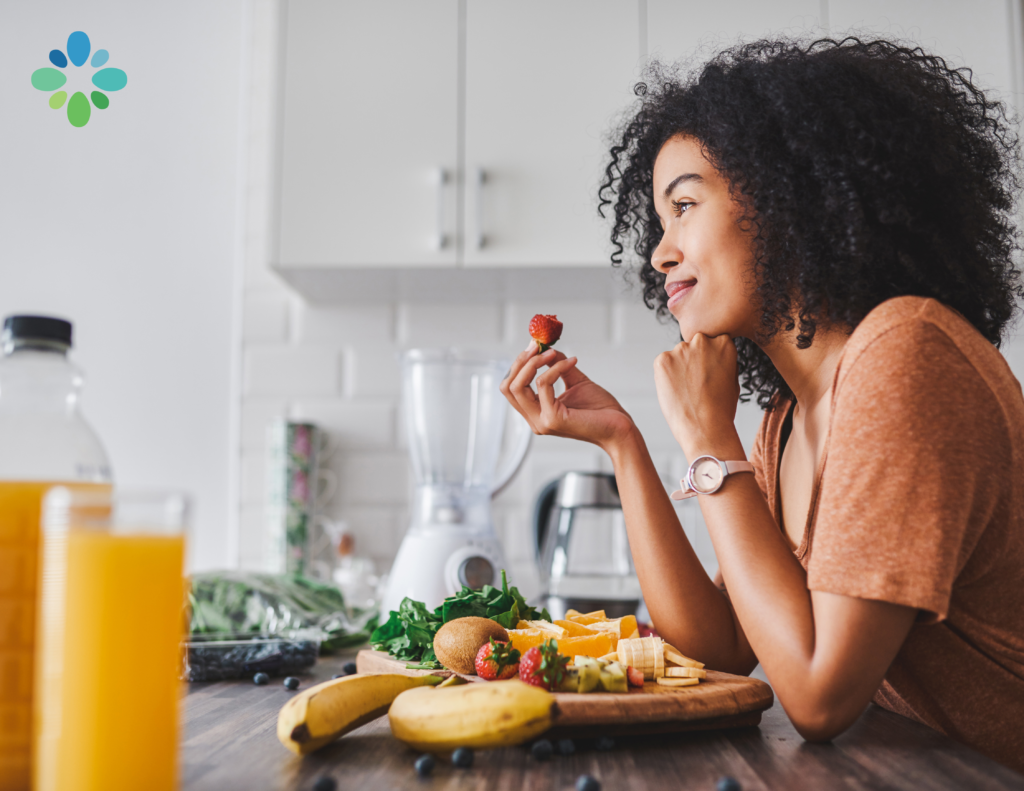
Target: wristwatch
(706, 476)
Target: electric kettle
(581, 547)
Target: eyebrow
(680, 179)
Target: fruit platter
(485, 670)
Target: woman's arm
(687, 607)
(825, 654)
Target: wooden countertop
(230, 743)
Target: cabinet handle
(440, 238)
(479, 178)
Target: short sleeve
(917, 457)
(757, 457)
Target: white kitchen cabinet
(370, 123)
(544, 83)
(980, 34)
(691, 32)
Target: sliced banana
(685, 672)
(673, 654)
(678, 682)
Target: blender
(455, 417)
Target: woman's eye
(681, 206)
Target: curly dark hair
(868, 170)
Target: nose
(666, 255)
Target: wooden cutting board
(721, 700)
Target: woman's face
(707, 258)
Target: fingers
(506, 384)
(517, 364)
(546, 383)
(520, 385)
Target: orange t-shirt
(919, 501)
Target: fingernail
(531, 345)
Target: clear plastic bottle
(44, 441)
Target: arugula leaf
(408, 634)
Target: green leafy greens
(408, 634)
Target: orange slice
(596, 646)
(525, 639)
(627, 625)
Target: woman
(832, 224)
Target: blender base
(431, 565)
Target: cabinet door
(370, 120)
(694, 31)
(977, 34)
(544, 83)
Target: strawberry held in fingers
(497, 660)
(543, 666)
(546, 330)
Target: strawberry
(496, 660)
(636, 677)
(546, 330)
(543, 666)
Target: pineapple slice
(576, 629)
(545, 626)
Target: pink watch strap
(737, 466)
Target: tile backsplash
(337, 366)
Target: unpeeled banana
(481, 715)
(321, 714)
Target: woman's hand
(698, 389)
(584, 411)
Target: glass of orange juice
(109, 635)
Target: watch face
(707, 475)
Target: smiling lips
(678, 289)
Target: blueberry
(325, 783)
(727, 783)
(260, 679)
(349, 668)
(462, 758)
(291, 683)
(605, 743)
(587, 783)
(542, 749)
(566, 746)
(425, 765)
(337, 675)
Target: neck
(808, 372)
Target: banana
(495, 714)
(321, 714)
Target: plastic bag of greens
(239, 602)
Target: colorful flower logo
(79, 108)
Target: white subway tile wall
(339, 368)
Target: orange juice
(109, 686)
(20, 505)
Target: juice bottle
(43, 441)
(109, 644)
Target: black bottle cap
(37, 328)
